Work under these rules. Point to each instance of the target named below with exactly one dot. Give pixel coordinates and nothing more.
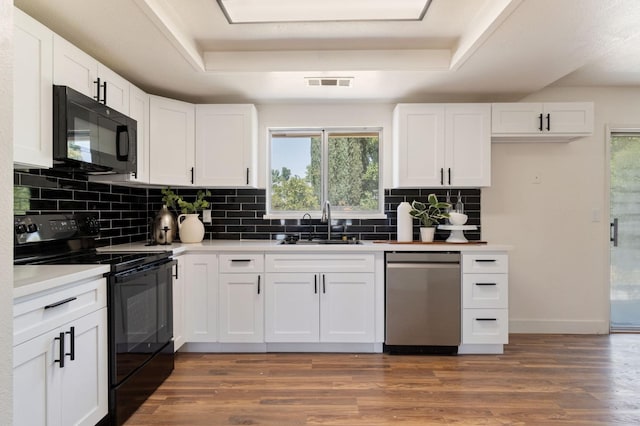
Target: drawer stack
(485, 299)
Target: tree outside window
(341, 166)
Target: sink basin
(319, 242)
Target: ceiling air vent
(329, 81)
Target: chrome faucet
(326, 217)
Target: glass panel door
(625, 231)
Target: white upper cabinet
(139, 111)
(172, 140)
(33, 95)
(554, 121)
(226, 145)
(442, 145)
(74, 68)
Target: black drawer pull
(62, 302)
(240, 260)
(258, 284)
(484, 284)
(486, 260)
(486, 319)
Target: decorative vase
(190, 228)
(427, 234)
(405, 223)
(164, 226)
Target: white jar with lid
(405, 223)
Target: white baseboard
(538, 326)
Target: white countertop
(30, 279)
(272, 246)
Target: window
(309, 167)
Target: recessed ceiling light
(263, 11)
(329, 81)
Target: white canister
(405, 223)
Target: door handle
(258, 284)
(540, 122)
(613, 232)
(449, 175)
(441, 176)
(60, 359)
(548, 122)
(72, 343)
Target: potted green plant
(429, 214)
(190, 227)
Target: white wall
(323, 115)
(6, 209)
(559, 268)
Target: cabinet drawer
(485, 291)
(490, 326)
(338, 262)
(36, 315)
(485, 263)
(241, 263)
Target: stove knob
(32, 227)
(21, 228)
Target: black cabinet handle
(240, 260)
(60, 361)
(192, 175)
(540, 125)
(441, 176)
(315, 284)
(486, 284)
(613, 232)
(97, 82)
(104, 92)
(176, 274)
(548, 121)
(72, 343)
(62, 302)
(324, 284)
(449, 175)
(247, 176)
(486, 319)
(485, 260)
(258, 284)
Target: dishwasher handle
(422, 265)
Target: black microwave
(91, 137)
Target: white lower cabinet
(201, 297)
(61, 376)
(178, 304)
(241, 298)
(319, 298)
(485, 302)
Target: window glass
(312, 166)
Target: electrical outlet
(206, 216)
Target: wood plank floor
(539, 380)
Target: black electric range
(139, 301)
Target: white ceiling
(463, 50)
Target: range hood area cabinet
(74, 68)
(33, 94)
(541, 122)
(202, 145)
(441, 145)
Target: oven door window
(141, 322)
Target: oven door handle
(126, 276)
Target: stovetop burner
(70, 240)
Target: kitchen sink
(319, 242)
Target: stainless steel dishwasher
(422, 302)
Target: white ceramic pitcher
(191, 228)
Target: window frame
(324, 165)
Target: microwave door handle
(122, 152)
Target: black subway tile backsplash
(125, 212)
